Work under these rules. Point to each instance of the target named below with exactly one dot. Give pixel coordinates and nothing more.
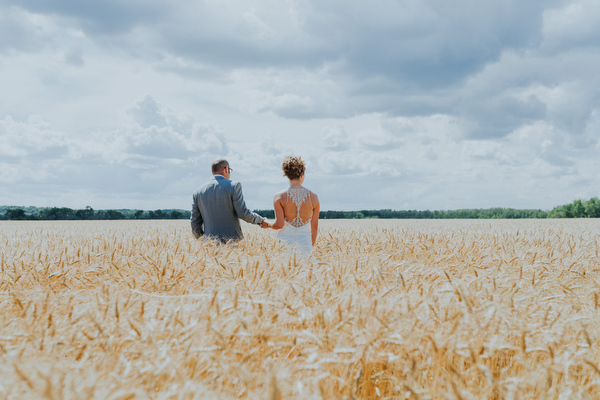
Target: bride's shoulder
(281, 195)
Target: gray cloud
(498, 116)
(427, 44)
(408, 58)
(74, 56)
(18, 32)
(98, 17)
(414, 93)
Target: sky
(393, 104)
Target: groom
(218, 205)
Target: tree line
(88, 213)
(497, 213)
(576, 209)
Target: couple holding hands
(219, 204)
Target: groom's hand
(264, 223)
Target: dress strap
(298, 196)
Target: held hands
(265, 224)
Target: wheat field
(389, 309)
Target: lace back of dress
(298, 196)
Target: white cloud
(151, 130)
(288, 105)
(574, 24)
(482, 150)
(146, 112)
(33, 138)
(210, 142)
(343, 164)
(379, 140)
(335, 138)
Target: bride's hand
(266, 224)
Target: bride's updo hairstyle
(293, 167)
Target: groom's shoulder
(235, 184)
(206, 185)
(228, 184)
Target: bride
(296, 210)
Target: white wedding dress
(295, 234)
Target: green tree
(157, 214)
(264, 213)
(16, 214)
(176, 214)
(592, 207)
(57, 214)
(87, 213)
(114, 214)
(578, 210)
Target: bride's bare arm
(314, 222)
(279, 218)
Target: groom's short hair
(219, 165)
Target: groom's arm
(240, 206)
(196, 219)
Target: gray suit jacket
(216, 207)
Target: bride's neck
(295, 183)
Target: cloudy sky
(401, 104)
